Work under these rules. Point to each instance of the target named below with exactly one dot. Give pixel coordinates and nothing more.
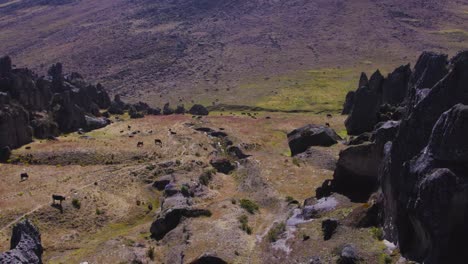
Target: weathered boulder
(5, 153)
(14, 126)
(236, 152)
(173, 210)
(117, 107)
(44, 127)
(349, 255)
(25, 245)
(198, 110)
(222, 165)
(167, 110)
(180, 109)
(356, 173)
(66, 114)
(162, 182)
(328, 228)
(134, 114)
(208, 258)
(311, 135)
(95, 122)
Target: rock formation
(419, 163)
(45, 106)
(25, 245)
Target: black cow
(140, 144)
(24, 176)
(158, 142)
(329, 116)
(56, 197)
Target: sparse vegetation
(244, 221)
(289, 199)
(150, 253)
(276, 231)
(76, 203)
(296, 162)
(206, 177)
(377, 233)
(249, 206)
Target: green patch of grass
(377, 233)
(244, 221)
(276, 231)
(315, 90)
(453, 34)
(385, 259)
(249, 206)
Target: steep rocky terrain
(412, 154)
(232, 52)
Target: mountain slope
(232, 52)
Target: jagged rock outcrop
(366, 105)
(117, 107)
(66, 114)
(198, 109)
(15, 130)
(311, 135)
(395, 86)
(349, 102)
(421, 161)
(25, 245)
(431, 225)
(45, 106)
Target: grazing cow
(24, 176)
(150, 132)
(129, 127)
(140, 144)
(158, 142)
(56, 197)
(173, 133)
(329, 116)
(327, 124)
(121, 131)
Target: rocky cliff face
(25, 246)
(44, 106)
(418, 163)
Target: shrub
(99, 212)
(377, 233)
(76, 203)
(233, 201)
(249, 205)
(150, 253)
(205, 178)
(244, 221)
(276, 231)
(185, 190)
(296, 162)
(289, 199)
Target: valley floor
(111, 203)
